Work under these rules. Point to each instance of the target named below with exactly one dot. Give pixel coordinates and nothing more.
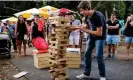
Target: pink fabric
(40, 43)
(40, 25)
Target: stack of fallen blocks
(73, 57)
(57, 48)
(41, 59)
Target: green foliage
(109, 5)
(8, 8)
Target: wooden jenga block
(41, 60)
(61, 78)
(61, 29)
(59, 61)
(73, 66)
(59, 42)
(58, 47)
(73, 59)
(43, 55)
(58, 69)
(57, 36)
(59, 24)
(73, 55)
(59, 18)
(56, 39)
(62, 33)
(73, 62)
(56, 57)
(55, 51)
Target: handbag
(40, 43)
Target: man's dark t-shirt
(97, 20)
(129, 30)
(113, 31)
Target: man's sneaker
(102, 78)
(113, 56)
(82, 76)
(108, 56)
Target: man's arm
(98, 32)
(115, 27)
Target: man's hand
(72, 28)
(110, 27)
(131, 23)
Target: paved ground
(116, 69)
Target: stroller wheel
(9, 55)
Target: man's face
(113, 16)
(84, 12)
(36, 18)
(8, 22)
(72, 17)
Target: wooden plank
(57, 39)
(58, 47)
(41, 55)
(61, 61)
(57, 52)
(73, 55)
(59, 69)
(73, 59)
(59, 42)
(60, 18)
(73, 66)
(61, 78)
(42, 66)
(57, 56)
(73, 62)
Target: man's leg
(99, 55)
(88, 58)
(14, 44)
(76, 41)
(89, 48)
(115, 41)
(128, 45)
(109, 41)
(70, 41)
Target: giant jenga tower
(58, 42)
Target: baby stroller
(5, 45)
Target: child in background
(29, 33)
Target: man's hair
(5, 24)
(113, 13)
(7, 21)
(85, 5)
(36, 15)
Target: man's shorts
(74, 40)
(128, 39)
(113, 39)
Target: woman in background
(20, 33)
(128, 35)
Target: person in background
(21, 33)
(0, 25)
(113, 37)
(6, 30)
(128, 32)
(35, 24)
(29, 27)
(97, 38)
(11, 28)
(74, 37)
